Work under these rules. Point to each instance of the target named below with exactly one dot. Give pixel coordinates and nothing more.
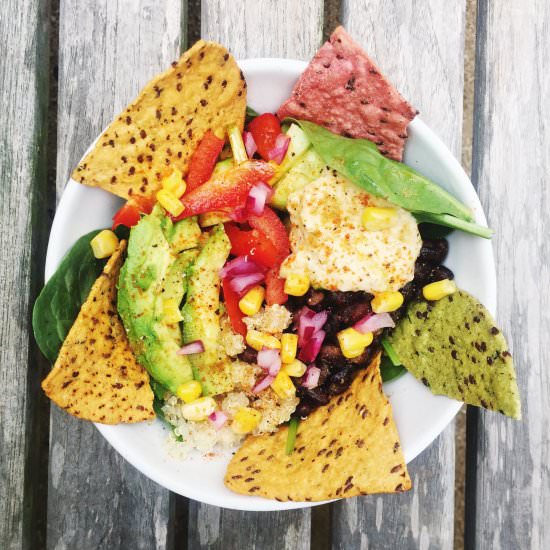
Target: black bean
(249, 355)
(304, 408)
(340, 381)
(434, 251)
(314, 299)
(325, 372)
(439, 273)
(318, 395)
(410, 291)
(422, 272)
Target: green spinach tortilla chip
(454, 347)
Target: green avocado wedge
(201, 315)
(360, 161)
(153, 272)
(455, 349)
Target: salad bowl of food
(264, 276)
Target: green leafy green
(390, 352)
(57, 306)
(389, 371)
(433, 231)
(251, 114)
(291, 436)
(360, 161)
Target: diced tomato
(265, 129)
(129, 214)
(274, 287)
(251, 243)
(231, 299)
(228, 192)
(203, 160)
(270, 225)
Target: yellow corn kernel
(258, 340)
(252, 301)
(296, 284)
(245, 420)
(104, 244)
(296, 368)
(198, 410)
(289, 346)
(171, 311)
(189, 391)
(375, 218)
(386, 301)
(353, 343)
(175, 183)
(170, 202)
(283, 386)
(439, 289)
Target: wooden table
(61, 485)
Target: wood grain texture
(511, 157)
(257, 29)
(419, 46)
(24, 97)
(108, 51)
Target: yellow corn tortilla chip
(96, 376)
(160, 130)
(349, 447)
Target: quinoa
(274, 411)
(271, 319)
(231, 342)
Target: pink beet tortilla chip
(343, 90)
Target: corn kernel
(296, 368)
(283, 386)
(386, 302)
(175, 183)
(171, 311)
(258, 340)
(353, 343)
(289, 346)
(104, 244)
(245, 420)
(252, 301)
(375, 218)
(189, 391)
(198, 410)
(439, 289)
(170, 202)
(296, 284)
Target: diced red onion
(193, 347)
(270, 360)
(258, 197)
(312, 347)
(241, 265)
(374, 322)
(218, 419)
(280, 148)
(311, 377)
(249, 144)
(241, 283)
(309, 323)
(263, 384)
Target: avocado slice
(308, 168)
(299, 144)
(201, 312)
(181, 235)
(151, 273)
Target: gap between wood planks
(36, 491)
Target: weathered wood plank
(24, 36)
(511, 156)
(255, 29)
(108, 50)
(419, 45)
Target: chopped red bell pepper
(275, 287)
(231, 299)
(203, 160)
(227, 192)
(129, 213)
(265, 129)
(251, 243)
(270, 225)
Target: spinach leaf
(389, 371)
(57, 306)
(360, 161)
(251, 114)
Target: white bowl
(420, 416)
